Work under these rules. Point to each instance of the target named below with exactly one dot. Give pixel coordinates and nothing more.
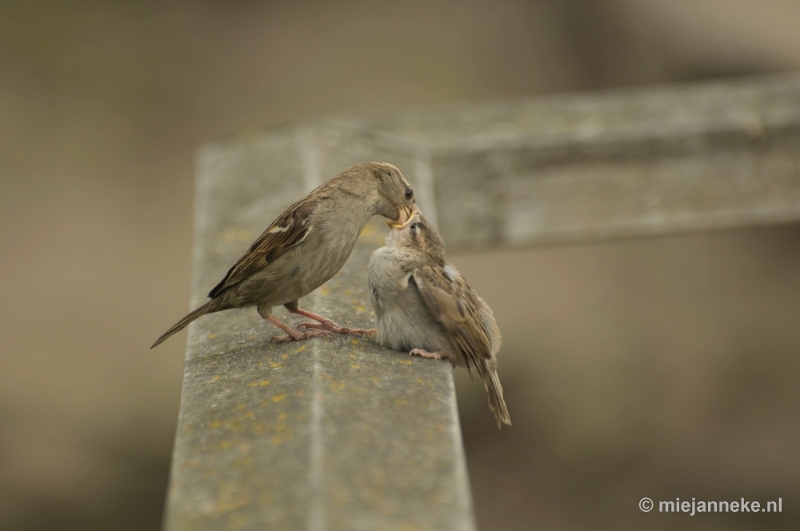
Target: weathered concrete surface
(341, 434)
(587, 167)
(320, 434)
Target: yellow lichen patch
(237, 521)
(354, 366)
(214, 424)
(252, 384)
(228, 500)
(240, 407)
(299, 350)
(355, 342)
(323, 290)
(401, 402)
(245, 462)
(236, 235)
(262, 383)
(284, 356)
(282, 416)
(215, 378)
(234, 425)
(248, 414)
(260, 428)
(227, 443)
(274, 365)
(278, 398)
(211, 336)
(367, 231)
(360, 308)
(405, 362)
(265, 500)
(337, 386)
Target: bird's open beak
(403, 217)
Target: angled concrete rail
(341, 434)
(320, 434)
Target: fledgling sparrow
(306, 245)
(424, 306)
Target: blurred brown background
(665, 368)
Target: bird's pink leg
(291, 333)
(425, 354)
(327, 324)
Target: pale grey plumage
(425, 307)
(306, 245)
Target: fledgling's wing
(453, 304)
(287, 231)
(458, 309)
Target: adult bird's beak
(403, 216)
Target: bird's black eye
(409, 194)
(414, 226)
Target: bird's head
(395, 197)
(418, 233)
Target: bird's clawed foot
(294, 335)
(330, 326)
(325, 324)
(425, 354)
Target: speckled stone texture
(342, 434)
(318, 434)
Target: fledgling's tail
(494, 392)
(180, 325)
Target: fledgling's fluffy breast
(424, 306)
(402, 320)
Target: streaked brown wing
(453, 304)
(288, 230)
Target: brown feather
(180, 325)
(288, 230)
(449, 303)
(409, 277)
(454, 305)
(321, 231)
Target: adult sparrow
(424, 306)
(306, 245)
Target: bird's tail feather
(494, 391)
(180, 325)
